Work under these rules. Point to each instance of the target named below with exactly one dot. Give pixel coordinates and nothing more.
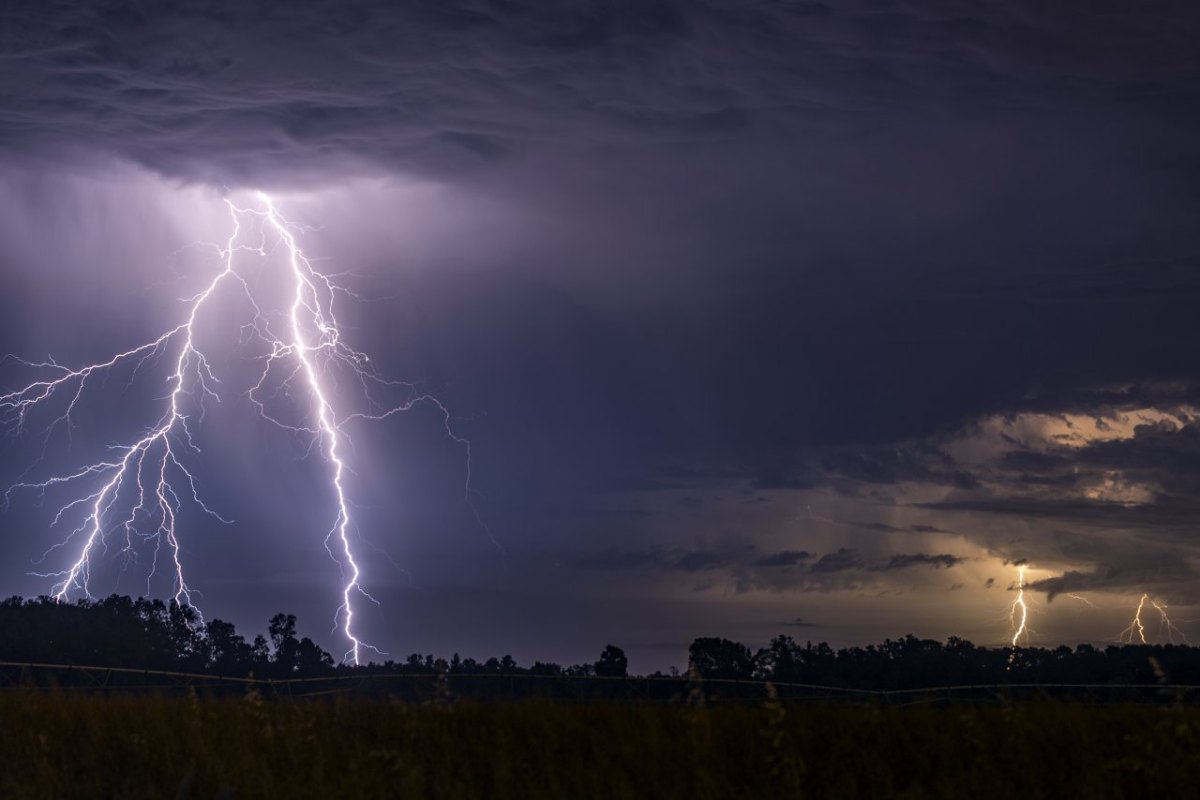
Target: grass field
(56, 745)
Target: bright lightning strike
(1018, 612)
(149, 477)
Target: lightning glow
(138, 491)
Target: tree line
(147, 634)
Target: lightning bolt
(1137, 628)
(150, 477)
(1166, 626)
(1018, 612)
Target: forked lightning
(1136, 632)
(138, 491)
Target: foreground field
(62, 746)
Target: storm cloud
(229, 91)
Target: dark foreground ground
(66, 746)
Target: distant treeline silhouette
(121, 632)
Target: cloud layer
(230, 91)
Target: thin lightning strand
(1166, 627)
(1018, 613)
(151, 470)
(1136, 628)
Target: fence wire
(449, 687)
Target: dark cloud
(907, 560)
(758, 571)
(784, 558)
(1166, 455)
(875, 526)
(1035, 462)
(704, 560)
(668, 560)
(1151, 572)
(702, 144)
(842, 560)
(1100, 513)
(228, 90)
(915, 462)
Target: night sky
(760, 317)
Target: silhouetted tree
(284, 646)
(292, 657)
(612, 663)
(228, 652)
(713, 657)
(152, 634)
(311, 660)
(780, 660)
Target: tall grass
(69, 746)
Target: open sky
(760, 317)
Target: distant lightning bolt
(1018, 612)
(1137, 629)
(1166, 626)
(148, 474)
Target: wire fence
(449, 687)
